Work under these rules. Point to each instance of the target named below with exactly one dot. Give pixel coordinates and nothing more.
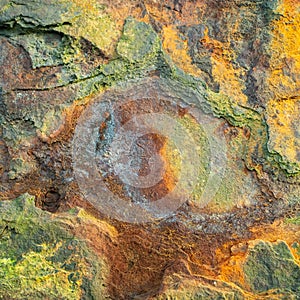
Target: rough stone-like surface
(237, 62)
(272, 267)
(41, 258)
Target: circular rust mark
(140, 151)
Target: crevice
(13, 27)
(51, 200)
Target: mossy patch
(139, 42)
(177, 287)
(272, 266)
(40, 259)
(295, 220)
(49, 49)
(31, 13)
(92, 23)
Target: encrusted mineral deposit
(236, 232)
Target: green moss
(179, 288)
(20, 167)
(93, 24)
(139, 43)
(295, 220)
(31, 13)
(272, 266)
(35, 277)
(40, 259)
(49, 49)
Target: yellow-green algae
(270, 271)
(48, 49)
(272, 266)
(184, 287)
(40, 259)
(295, 220)
(138, 43)
(201, 141)
(93, 24)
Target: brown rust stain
(150, 144)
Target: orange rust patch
(223, 71)
(178, 50)
(234, 254)
(149, 144)
(171, 173)
(283, 80)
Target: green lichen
(223, 106)
(93, 24)
(295, 220)
(200, 140)
(31, 13)
(80, 19)
(178, 288)
(169, 70)
(292, 169)
(35, 277)
(139, 43)
(272, 266)
(39, 259)
(16, 132)
(19, 167)
(49, 49)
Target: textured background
(242, 58)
